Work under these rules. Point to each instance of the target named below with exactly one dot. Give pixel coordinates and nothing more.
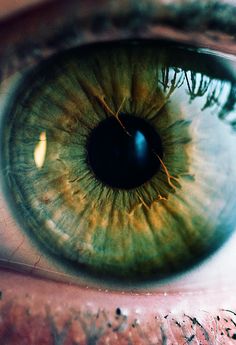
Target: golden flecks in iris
(158, 227)
(169, 177)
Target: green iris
(160, 225)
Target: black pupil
(124, 154)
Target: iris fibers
(121, 158)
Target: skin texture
(42, 305)
(14, 7)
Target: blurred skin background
(39, 304)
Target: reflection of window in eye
(188, 335)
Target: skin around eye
(9, 8)
(25, 301)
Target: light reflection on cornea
(40, 150)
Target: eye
(64, 43)
(119, 158)
(195, 307)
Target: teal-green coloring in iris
(110, 222)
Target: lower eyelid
(143, 307)
(71, 313)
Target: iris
(120, 158)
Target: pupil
(123, 157)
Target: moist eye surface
(119, 158)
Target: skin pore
(39, 302)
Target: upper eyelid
(67, 27)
